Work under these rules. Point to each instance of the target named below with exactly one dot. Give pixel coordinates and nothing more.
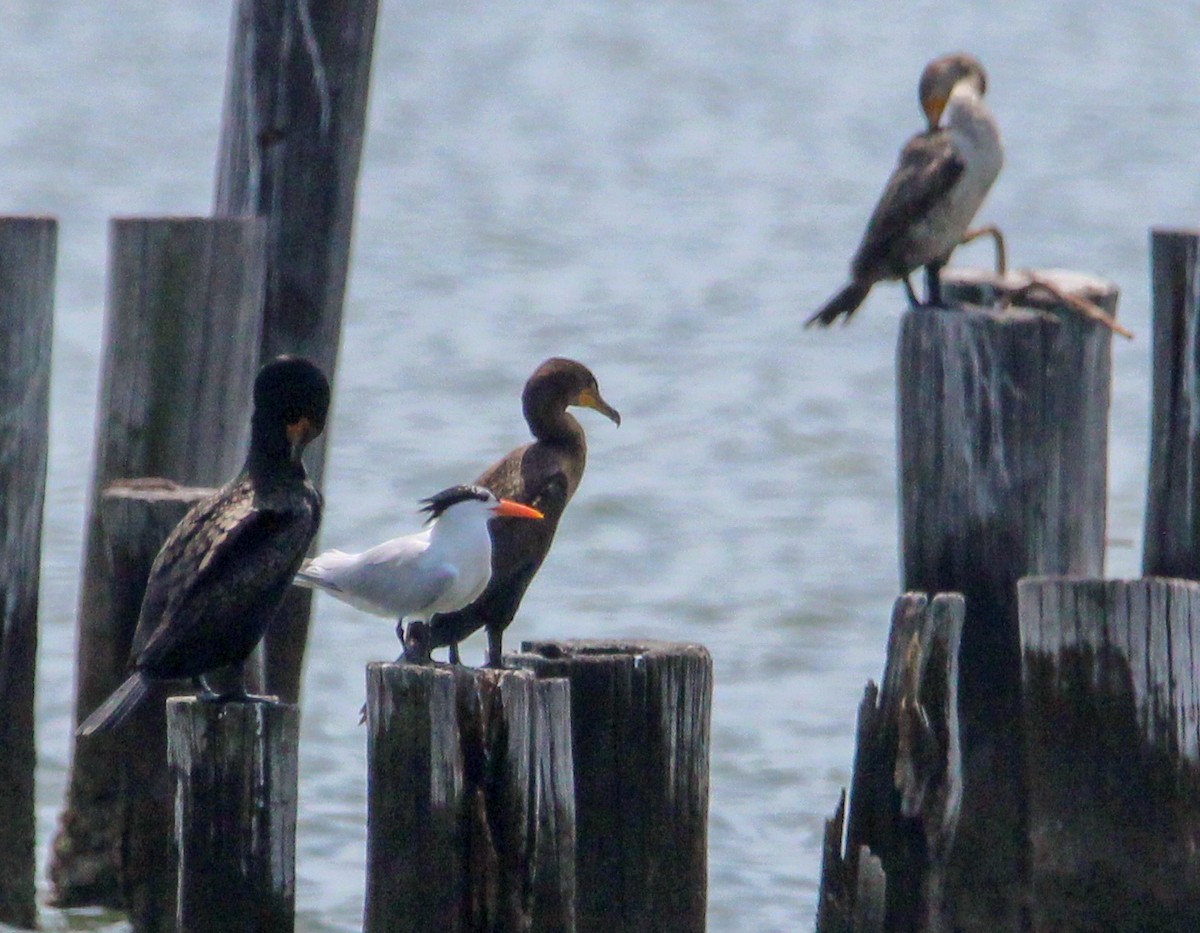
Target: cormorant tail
(845, 302)
(116, 709)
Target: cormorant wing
(928, 167)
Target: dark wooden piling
(235, 767)
(1172, 531)
(1003, 444)
(291, 139)
(906, 788)
(179, 362)
(1111, 692)
(28, 252)
(640, 723)
(470, 807)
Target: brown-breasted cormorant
(939, 182)
(221, 572)
(543, 474)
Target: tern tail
(116, 709)
(845, 303)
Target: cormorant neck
(269, 456)
(553, 423)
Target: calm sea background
(663, 191)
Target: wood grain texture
(1111, 706)
(1172, 531)
(180, 356)
(28, 252)
(640, 721)
(235, 769)
(291, 141)
(1003, 446)
(471, 819)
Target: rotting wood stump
(1112, 730)
(470, 801)
(640, 721)
(906, 787)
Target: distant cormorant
(939, 182)
(224, 568)
(543, 474)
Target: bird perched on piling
(544, 474)
(224, 568)
(937, 186)
(439, 569)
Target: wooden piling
(1111, 689)
(1172, 530)
(235, 768)
(1003, 444)
(906, 788)
(640, 724)
(291, 139)
(28, 251)
(180, 358)
(470, 801)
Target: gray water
(663, 191)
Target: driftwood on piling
(1111, 699)
(907, 783)
(1002, 434)
(640, 721)
(291, 139)
(180, 356)
(1172, 534)
(28, 250)
(470, 801)
(235, 768)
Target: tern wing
(928, 167)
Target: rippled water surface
(663, 191)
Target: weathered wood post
(470, 801)
(179, 363)
(907, 783)
(640, 723)
(291, 139)
(235, 767)
(1111, 694)
(1003, 444)
(1172, 533)
(28, 251)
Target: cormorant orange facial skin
(224, 568)
(543, 474)
(937, 187)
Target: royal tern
(543, 474)
(939, 182)
(439, 569)
(221, 572)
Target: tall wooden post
(291, 139)
(1003, 445)
(1113, 750)
(1172, 534)
(235, 767)
(640, 721)
(28, 250)
(470, 801)
(179, 362)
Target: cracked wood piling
(1003, 445)
(28, 253)
(181, 335)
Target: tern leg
(495, 650)
(997, 238)
(912, 296)
(417, 642)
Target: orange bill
(511, 509)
